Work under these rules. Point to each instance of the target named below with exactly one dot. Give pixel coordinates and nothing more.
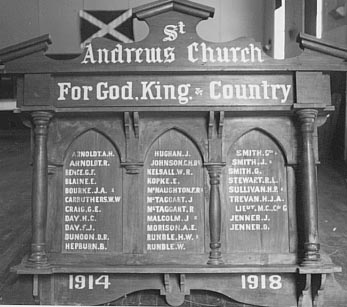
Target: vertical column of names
(91, 196)
(174, 200)
(257, 196)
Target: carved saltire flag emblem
(114, 25)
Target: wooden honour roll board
(175, 164)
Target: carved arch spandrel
(267, 134)
(281, 130)
(66, 130)
(179, 131)
(194, 125)
(76, 136)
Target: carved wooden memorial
(175, 164)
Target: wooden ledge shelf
(325, 269)
(176, 269)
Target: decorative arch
(178, 130)
(270, 135)
(81, 134)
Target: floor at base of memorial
(15, 229)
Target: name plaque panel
(92, 194)
(174, 195)
(257, 219)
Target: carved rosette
(38, 257)
(308, 182)
(214, 171)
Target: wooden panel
(37, 89)
(264, 289)
(55, 211)
(92, 196)
(256, 196)
(68, 128)
(306, 82)
(133, 225)
(93, 289)
(192, 124)
(174, 196)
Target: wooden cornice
(183, 6)
(329, 48)
(25, 48)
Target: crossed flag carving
(109, 28)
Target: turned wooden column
(214, 171)
(38, 255)
(308, 189)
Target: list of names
(174, 201)
(257, 196)
(89, 197)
